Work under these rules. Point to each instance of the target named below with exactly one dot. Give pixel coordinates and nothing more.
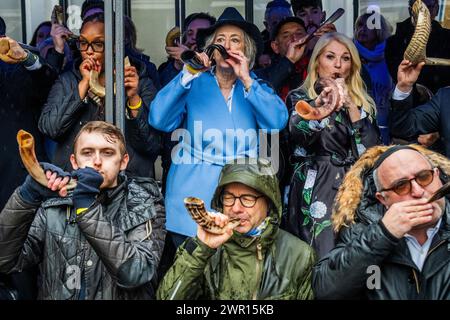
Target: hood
(356, 195)
(255, 173)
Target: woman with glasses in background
(72, 103)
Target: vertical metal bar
(128, 8)
(119, 54)
(249, 10)
(23, 14)
(182, 14)
(355, 10)
(109, 62)
(177, 13)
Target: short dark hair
(34, 38)
(300, 4)
(277, 4)
(110, 131)
(277, 28)
(199, 16)
(91, 4)
(97, 17)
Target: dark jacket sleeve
(55, 59)
(43, 80)
(128, 256)
(342, 274)
(22, 234)
(407, 121)
(62, 109)
(140, 134)
(167, 72)
(277, 73)
(158, 227)
(366, 132)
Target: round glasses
(247, 200)
(403, 186)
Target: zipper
(259, 259)
(414, 271)
(434, 248)
(417, 281)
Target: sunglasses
(403, 186)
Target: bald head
(401, 164)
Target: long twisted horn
(416, 50)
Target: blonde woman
(324, 149)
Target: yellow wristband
(136, 106)
(80, 210)
(192, 70)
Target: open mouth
(336, 75)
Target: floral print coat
(322, 152)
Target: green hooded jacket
(273, 265)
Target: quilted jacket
(111, 251)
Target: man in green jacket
(256, 260)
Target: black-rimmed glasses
(247, 200)
(97, 46)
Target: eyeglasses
(403, 186)
(247, 200)
(97, 46)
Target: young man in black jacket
(103, 240)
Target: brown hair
(108, 130)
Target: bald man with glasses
(392, 243)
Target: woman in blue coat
(220, 112)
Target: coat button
(89, 263)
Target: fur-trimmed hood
(357, 192)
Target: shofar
(416, 50)
(196, 208)
(96, 87)
(28, 155)
(308, 112)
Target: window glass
(11, 13)
(153, 19)
(214, 7)
(393, 11)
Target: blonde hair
(356, 87)
(250, 49)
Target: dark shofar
(441, 192)
(28, 155)
(196, 208)
(416, 50)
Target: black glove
(88, 187)
(33, 192)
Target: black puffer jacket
(65, 113)
(345, 271)
(109, 252)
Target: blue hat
(231, 16)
